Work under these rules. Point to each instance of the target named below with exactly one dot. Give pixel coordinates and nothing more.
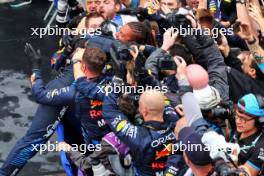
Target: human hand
(224, 47)
(169, 38)
(33, 55)
(153, 6)
(244, 32)
(33, 79)
(165, 9)
(255, 12)
(78, 54)
(181, 68)
(134, 51)
(179, 110)
(192, 20)
(63, 146)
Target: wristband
(252, 42)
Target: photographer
(249, 109)
(249, 133)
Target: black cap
(195, 150)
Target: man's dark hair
(141, 33)
(94, 59)
(180, 50)
(259, 73)
(92, 15)
(127, 106)
(117, 2)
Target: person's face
(125, 34)
(246, 65)
(95, 23)
(193, 4)
(92, 5)
(108, 8)
(244, 122)
(171, 4)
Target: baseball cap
(250, 105)
(196, 151)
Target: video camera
(223, 168)
(177, 18)
(122, 50)
(166, 62)
(225, 110)
(224, 154)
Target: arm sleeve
(128, 133)
(256, 159)
(152, 62)
(232, 61)
(191, 109)
(56, 97)
(196, 50)
(216, 66)
(175, 165)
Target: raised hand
(33, 55)
(169, 38)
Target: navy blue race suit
(149, 143)
(86, 95)
(43, 126)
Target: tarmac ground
(16, 105)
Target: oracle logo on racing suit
(163, 140)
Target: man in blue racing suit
(150, 142)
(85, 93)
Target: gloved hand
(139, 72)
(67, 42)
(118, 66)
(33, 55)
(218, 146)
(117, 81)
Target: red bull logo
(165, 152)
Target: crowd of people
(169, 87)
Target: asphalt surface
(16, 105)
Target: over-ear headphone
(260, 120)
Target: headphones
(260, 100)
